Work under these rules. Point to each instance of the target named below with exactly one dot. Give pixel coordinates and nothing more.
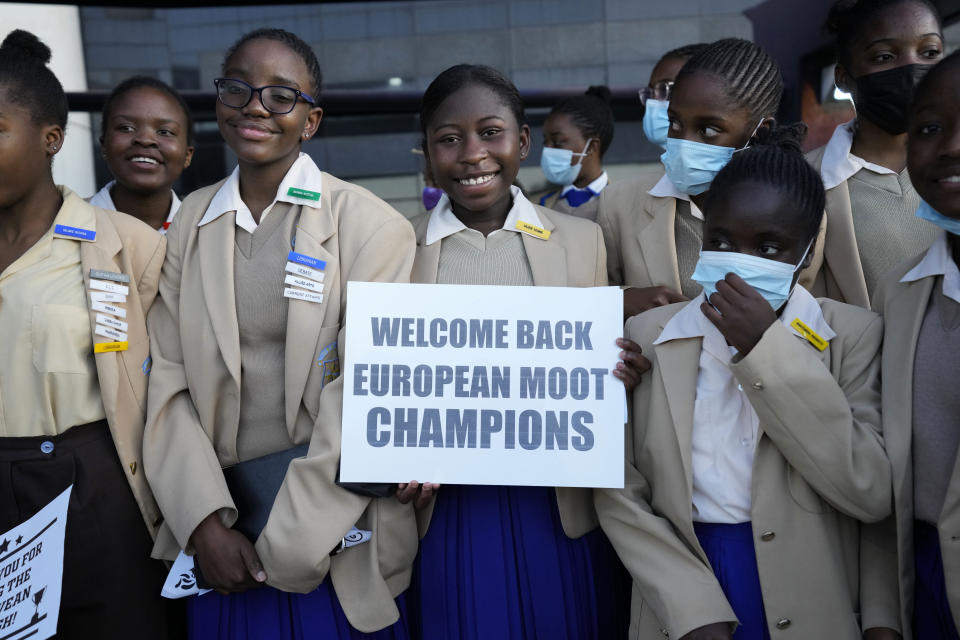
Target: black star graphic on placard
(4, 546)
(19, 539)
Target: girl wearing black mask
(883, 48)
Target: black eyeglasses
(278, 99)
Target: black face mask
(884, 97)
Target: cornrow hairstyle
(930, 79)
(29, 82)
(775, 157)
(462, 75)
(146, 82)
(295, 44)
(751, 77)
(848, 19)
(591, 114)
(687, 51)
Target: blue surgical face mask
(772, 279)
(692, 166)
(950, 225)
(656, 122)
(556, 164)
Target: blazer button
(783, 623)
(767, 536)
(757, 385)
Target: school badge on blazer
(329, 361)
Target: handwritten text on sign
(482, 385)
(31, 573)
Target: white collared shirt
(938, 262)
(725, 425)
(303, 175)
(104, 200)
(666, 189)
(444, 223)
(838, 164)
(596, 186)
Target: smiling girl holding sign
(498, 561)
(75, 283)
(246, 341)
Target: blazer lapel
(679, 362)
(658, 246)
(216, 248)
(840, 250)
(305, 319)
(898, 380)
(100, 255)
(426, 261)
(548, 260)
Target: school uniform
(653, 234)
(211, 333)
(514, 562)
(870, 216)
(747, 476)
(920, 303)
(72, 405)
(582, 203)
(104, 200)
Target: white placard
(31, 573)
(482, 385)
(182, 579)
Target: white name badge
(110, 321)
(112, 287)
(107, 332)
(106, 296)
(303, 295)
(303, 283)
(112, 309)
(304, 271)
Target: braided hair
(295, 44)
(775, 158)
(751, 77)
(457, 77)
(146, 82)
(848, 19)
(28, 80)
(591, 115)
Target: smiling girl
(505, 562)
(247, 340)
(147, 142)
(883, 48)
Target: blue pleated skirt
(496, 563)
(729, 547)
(932, 619)
(268, 613)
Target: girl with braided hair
(722, 97)
(883, 48)
(752, 524)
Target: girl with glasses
(247, 342)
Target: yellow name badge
(532, 230)
(810, 335)
(107, 347)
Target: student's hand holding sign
(632, 364)
(740, 313)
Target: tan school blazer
(638, 230)
(819, 469)
(841, 276)
(903, 305)
(194, 405)
(126, 245)
(573, 256)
